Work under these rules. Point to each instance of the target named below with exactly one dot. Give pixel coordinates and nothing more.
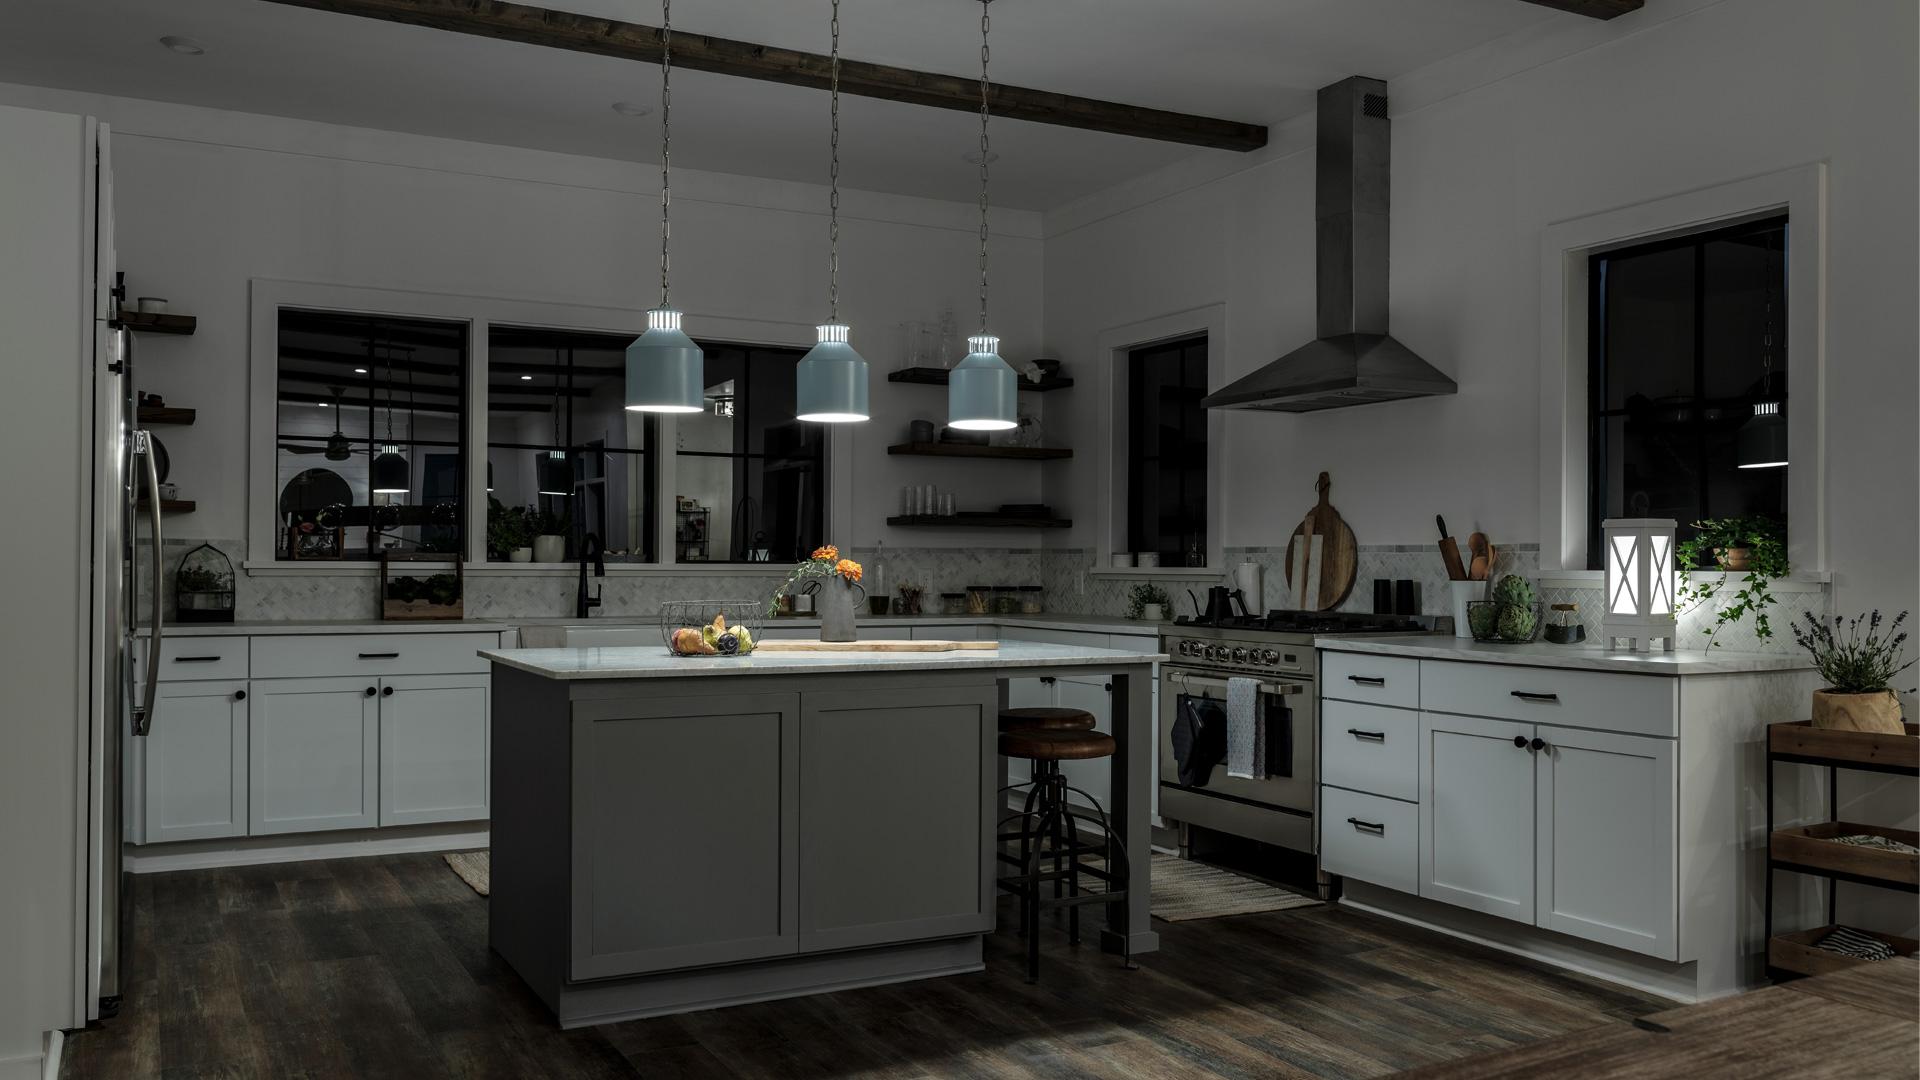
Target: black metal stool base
(1048, 832)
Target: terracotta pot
(1877, 710)
(1737, 559)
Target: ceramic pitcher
(836, 598)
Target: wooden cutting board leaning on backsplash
(1322, 557)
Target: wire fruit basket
(711, 627)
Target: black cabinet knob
(1538, 744)
(1518, 740)
(387, 691)
(239, 695)
(372, 691)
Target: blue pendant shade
(389, 472)
(666, 372)
(982, 390)
(830, 382)
(555, 473)
(1762, 442)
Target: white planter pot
(1152, 613)
(549, 548)
(520, 554)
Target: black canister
(1406, 597)
(1382, 596)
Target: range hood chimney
(1353, 361)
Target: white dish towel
(1246, 730)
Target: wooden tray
(1857, 749)
(875, 645)
(1795, 952)
(1812, 847)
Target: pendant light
(830, 382)
(666, 372)
(389, 473)
(553, 471)
(981, 391)
(1762, 443)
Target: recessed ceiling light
(320, 404)
(359, 371)
(632, 108)
(526, 378)
(972, 157)
(185, 46)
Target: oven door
(1291, 732)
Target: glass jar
(1006, 600)
(979, 599)
(1032, 599)
(953, 603)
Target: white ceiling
(1257, 61)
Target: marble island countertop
(874, 625)
(654, 662)
(1588, 657)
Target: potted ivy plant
(1858, 671)
(1147, 601)
(509, 533)
(1752, 554)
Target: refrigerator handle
(143, 711)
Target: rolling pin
(1450, 552)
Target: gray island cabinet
(683, 833)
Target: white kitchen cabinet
(1092, 776)
(194, 762)
(1477, 814)
(433, 748)
(313, 745)
(1605, 859)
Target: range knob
(1271, 657)
(1239, 656)
(1213, 652)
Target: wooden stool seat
(1046, 719)
(1056, 745)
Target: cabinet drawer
(1376, 680)
(185, 658)
(1603, 700)
(322, 655)
(1372, 839)
(1370, 748)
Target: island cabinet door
(313, 747)
(896, 789)
(685, 829)
(1476, 814)
(433, 748)
(1605, 837)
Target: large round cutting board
(1322, 557)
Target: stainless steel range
(1277, 651)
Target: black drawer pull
(1370, 736)
(1368, 680)
(1525, 696)
(1373, 827)
(196, 659)
(379, 656)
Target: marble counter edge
(1092, 624)
(647, 662)
(1573, 657)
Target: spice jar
(1564, 626)
(979, 599)
(1032, 599)
(1006, 600)
(953, 603)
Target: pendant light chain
(1766, 335)
(833, 177)
(985, 25)
(666, 140)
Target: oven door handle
(1191, 682)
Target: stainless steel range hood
(1353, 361)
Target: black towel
(1199, 741)
(1279, 741)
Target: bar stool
(1037, 718)
(1050, 830)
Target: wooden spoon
(1482, 557)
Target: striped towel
(1882, 843)
(1849, 942)
(1246, 730)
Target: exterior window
(1688, 378)
(370, 434)
(564, 456)
(752, 479)
(1167, 450)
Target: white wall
(208, 200)
(1678, 97)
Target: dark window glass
(360, 397)
(1167, 450)
(562, 449)
(1688, 378)
(753, 480)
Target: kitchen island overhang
(672, 834)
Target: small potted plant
(509, 532)
(1147, 601)
(550, 535)
(1858, 671)
(1750, 547)
(833, 581)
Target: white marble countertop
(338, 626)
(1092, 624)
(654, 662)
(1547, 654)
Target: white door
(195, 783)
(1476, 814)
(314, 749)
(1093, 777)
(1605, 853)
(433, 748)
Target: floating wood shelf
(933, 376)
(151, 323)
(977, 521)
(974, 450)
(172, 506)
(1795, 952)
(166, 414)
(1814, 849)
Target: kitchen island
(678, 833)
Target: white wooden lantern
(1640, 581)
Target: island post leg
(1130, 801)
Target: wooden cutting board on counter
(875, 645)
(1322, 557)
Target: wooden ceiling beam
(1593, 9)
(531, 25)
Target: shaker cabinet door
(195, 762)
(314, 754)
(1476, 814)
(433, 748)
(1605, 848)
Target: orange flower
(829, 552)
(848, 569)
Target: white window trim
(1801, 192)
(268, 295)
(1116, 344)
